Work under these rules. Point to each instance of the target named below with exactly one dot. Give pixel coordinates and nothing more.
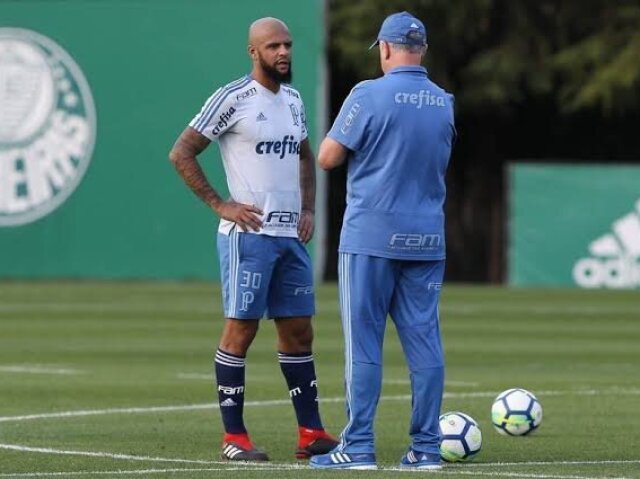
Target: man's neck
(265, 80)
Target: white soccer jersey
(259, 133)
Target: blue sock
(230, 381)
(299, 371)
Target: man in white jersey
(259, 123)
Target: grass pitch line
(132, 457)
(251, 467)
(136, 472)
(37, 369)
(603, 462)
(520, 474)
(281, 402)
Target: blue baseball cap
(402, 28)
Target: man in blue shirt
(396, 135)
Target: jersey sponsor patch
(419, 99)
(280, 147)
(223, 121)
(247, 93)
(281, 220)
(349, 119)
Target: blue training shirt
(400, 130)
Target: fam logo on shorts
(47, 126)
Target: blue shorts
(265, 275)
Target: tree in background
(546, 80)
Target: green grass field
(115, 380)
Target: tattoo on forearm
(308, 180)
(184, 157)
(195, 178)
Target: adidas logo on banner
(615, 256)
(228, 403)
(261, 117)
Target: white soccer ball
(461, 437)
(516, 412)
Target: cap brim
(374, 44)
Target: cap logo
(415, 36)
(413, 25)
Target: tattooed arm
(183, 155)
(306, 224)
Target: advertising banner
(572, 225)
(92, 97)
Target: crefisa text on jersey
(223, 120)
(281, 147)
(419, 99)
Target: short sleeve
(218, 114)
(350, 126)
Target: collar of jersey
(264, 89)
(408, 69)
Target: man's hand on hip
(245, 216)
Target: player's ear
(251, 50)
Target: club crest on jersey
(295, 114)
(47, 126)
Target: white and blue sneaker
(420, 460)
(344, 460)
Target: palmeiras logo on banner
(47, 126)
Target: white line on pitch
(525, 474)
(247, 467)
(288, 467)
(37, 369)
(553, 463)
(281, 402)
(132, 457)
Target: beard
(273, 73)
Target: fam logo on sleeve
(47, 126)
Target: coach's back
(399, 129)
